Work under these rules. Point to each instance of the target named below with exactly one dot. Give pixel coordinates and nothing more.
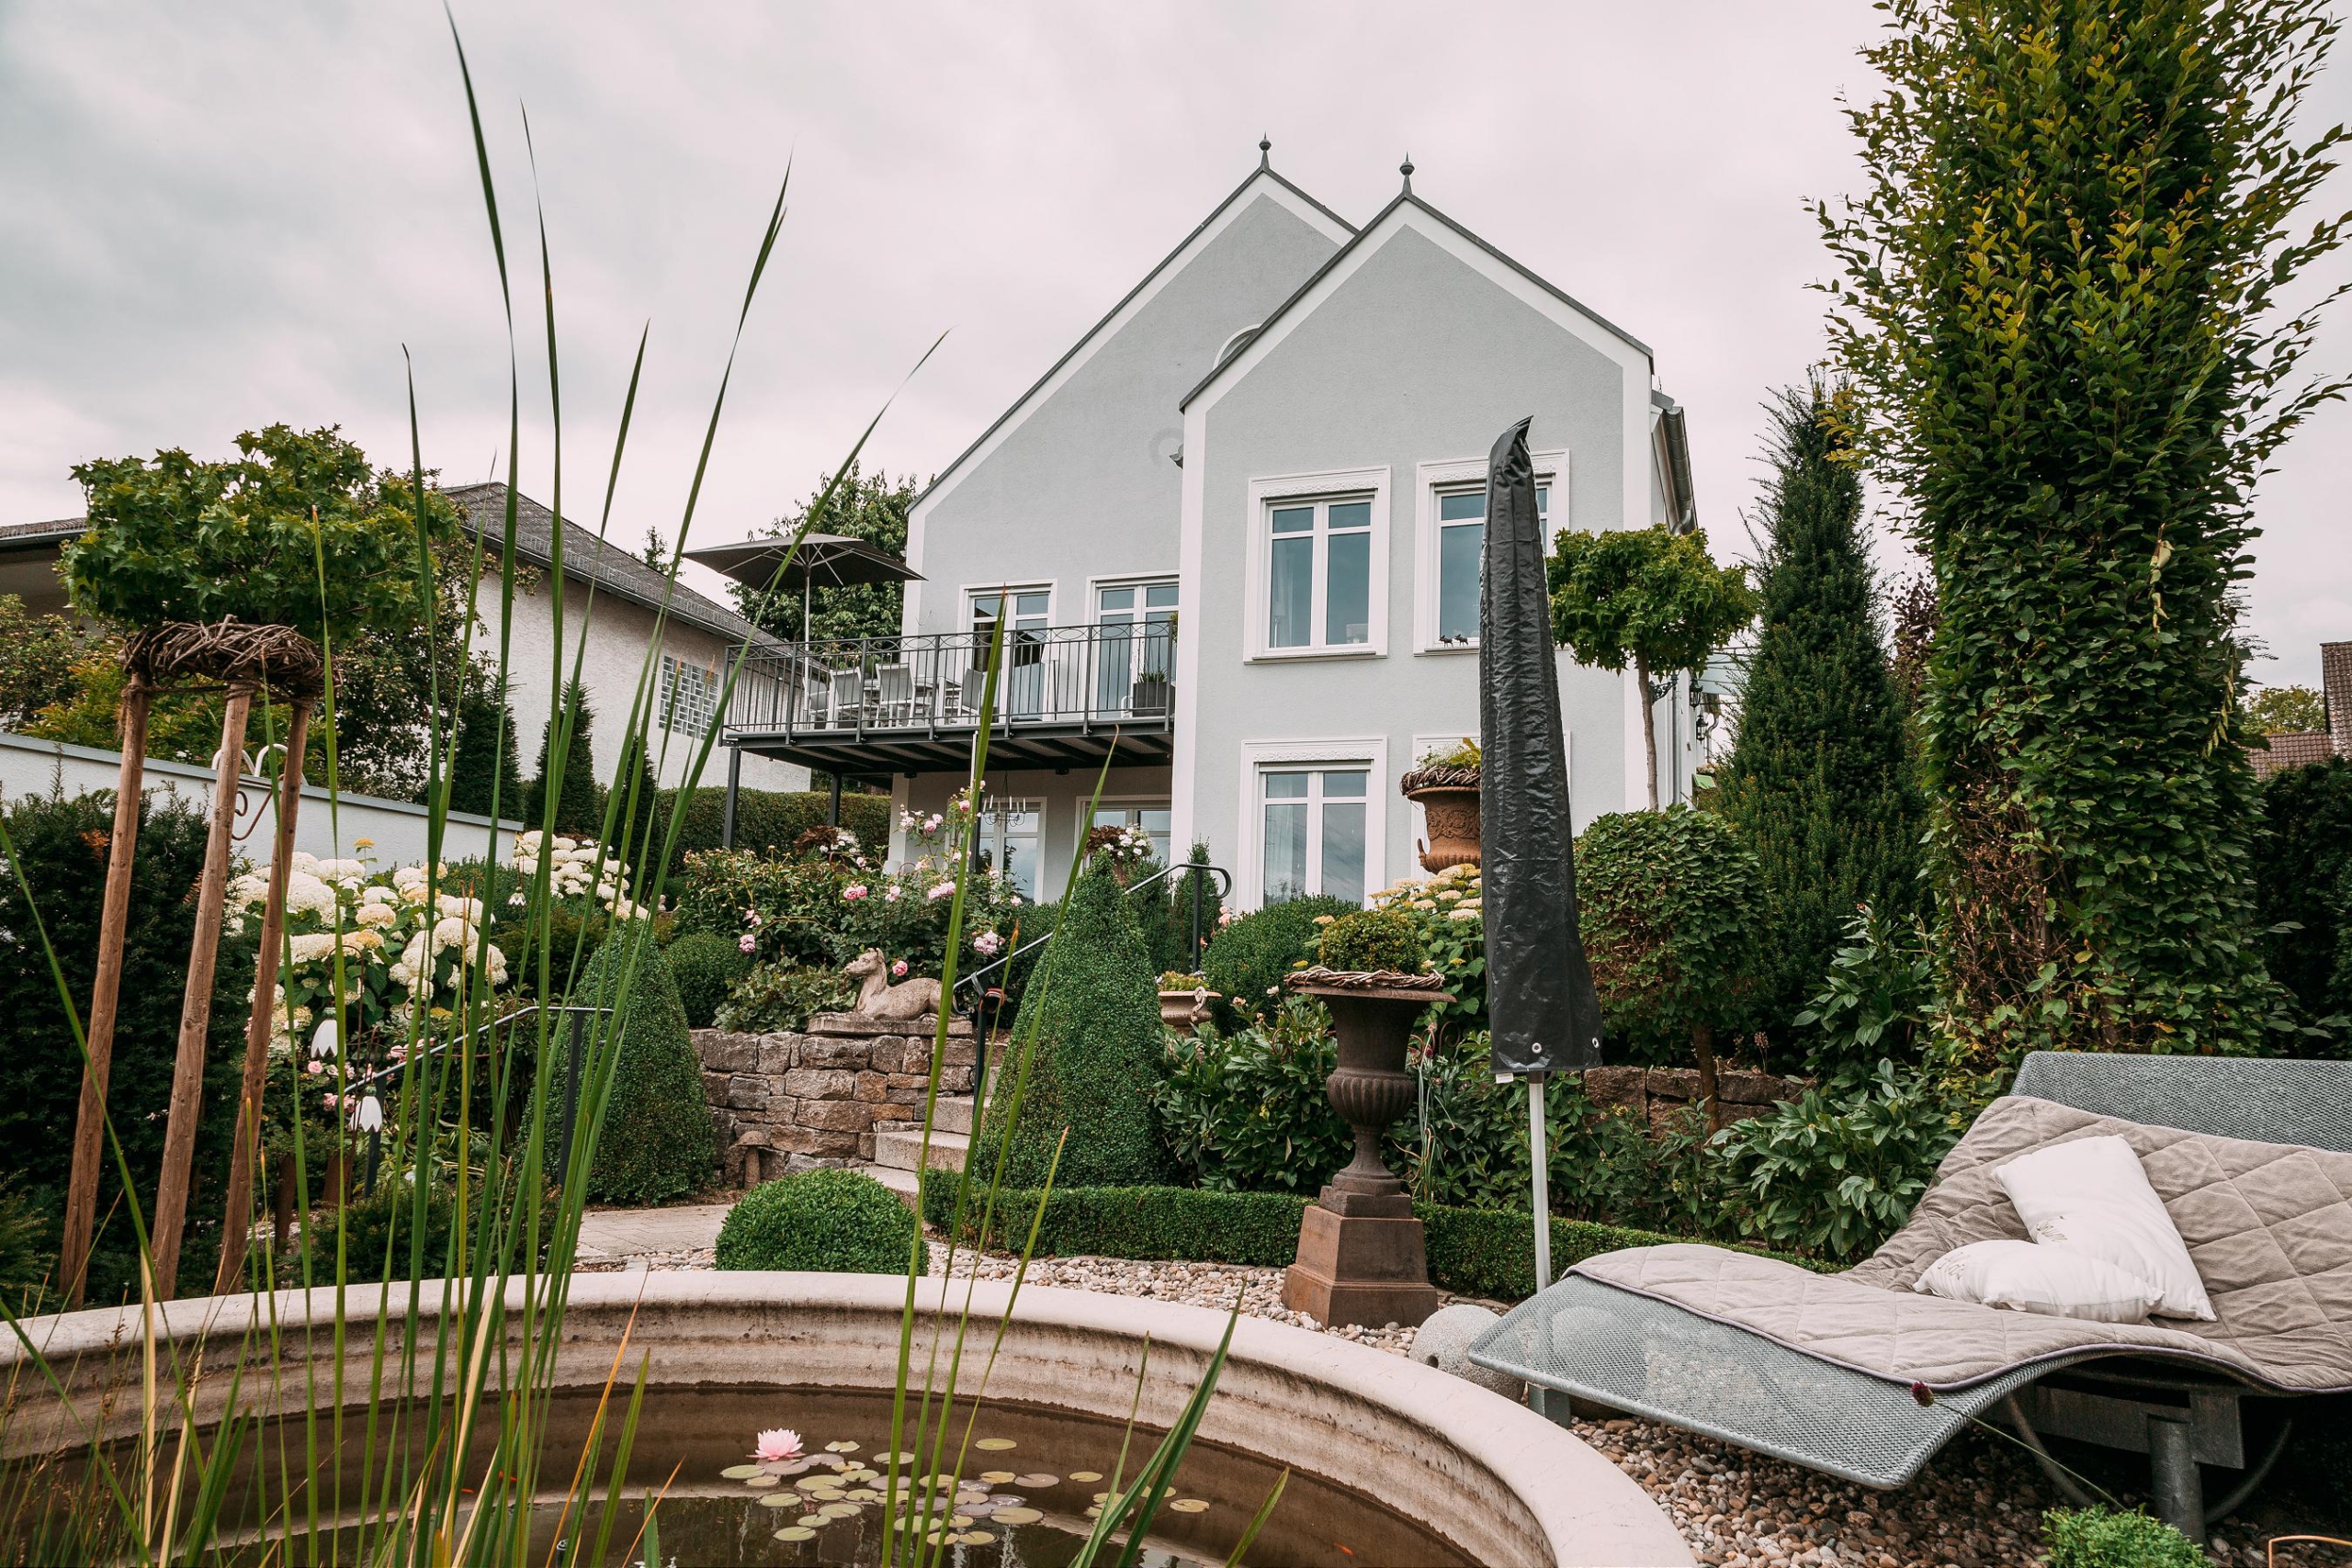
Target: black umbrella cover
(1543, 1011)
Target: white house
(1234, 534)
(609, 590)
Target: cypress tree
(487, 756)
(575, 793)
(1818, 782)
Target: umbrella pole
(1540, 1158)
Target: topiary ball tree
(1670, 902)
(657, 1141)
(1367, 940)
(835, 1222)
(1090, 1057)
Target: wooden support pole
(195, 1001)
(90, 1125)
(237, 1217)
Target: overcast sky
(215, 217)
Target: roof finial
(1406, 169)
(1265, 151)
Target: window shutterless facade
(1313, 832)
(1319, 574)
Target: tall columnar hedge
(2058, 303)
(657, 1141)
(486, 758)
(575, 788)
(1819, 782)
(1093, 1051)
(2302, 867)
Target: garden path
(682, 1235)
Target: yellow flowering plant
(1446, 911)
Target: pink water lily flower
(777, 1445)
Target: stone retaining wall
(1657, 1093)
(787, 1101)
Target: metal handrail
(1087, 675)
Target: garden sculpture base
(1361, 1256)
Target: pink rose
(899, 970)
(746, 942)
(854, 892)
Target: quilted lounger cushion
(2268, 1226)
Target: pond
(1022, 1497)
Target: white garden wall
(41, 767)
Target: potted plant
(1445, 782)
(1184, 1000)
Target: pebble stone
(1977, 1505)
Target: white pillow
(2090, 1194)
(2025, 1276)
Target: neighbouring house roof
(1264, 171)
(18, 537)
(1338, 258)
(2287, 751)
(611, 566)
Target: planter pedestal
(1362, 1257)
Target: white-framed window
(1319, 564)
(1028, 610)
(1009, 835)
(1153, 818)
(1134, 649)
(689, 695)
(1314, 831)
(1453, 512)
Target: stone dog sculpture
(876, 997)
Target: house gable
(1077, 479)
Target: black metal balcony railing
(1062, 678)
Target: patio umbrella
(824, 560)
(1544, 1014)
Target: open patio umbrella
(824, 560)
(1545, 1015)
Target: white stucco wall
(1411, 354)
(1081, 486)
(618, 634)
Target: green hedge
(840, 1222)
(706, 968)
(1472, 1252)
(768, 820)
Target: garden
(302, 1149)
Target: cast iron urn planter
(1448, 797)
(1361, 1257)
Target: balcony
(1068, 697)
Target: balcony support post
(734, 786)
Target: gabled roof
(1264, 172)
(1338, 258)
(612, 567)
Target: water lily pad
(975, 1537)
(813, 1483)
(742, 1472)
(796, 1532)
(814, 1521)
(840, 1510)
(1188, 1506)
(996, 1477)
(1036, 1482)
(786, 1466)
(780, 1500)
(758, 1481)
(863, 1494)
(961, 1521)
(1019, 1516)
(996, 1445)
(1102, 1497)
(840, 1448)
(1086, 1475)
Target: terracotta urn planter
(1449, 802)
(1181, 1012)
(1361, 1256)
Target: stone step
(902, 1182)
(904, 1150)
(952, 1115)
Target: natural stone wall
(787, 1101)
(1655, 1094)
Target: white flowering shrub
(575, 867)
(1453, 923)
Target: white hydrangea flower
(310, 948)
(306, 895)
(304, 860)
(378, 915)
